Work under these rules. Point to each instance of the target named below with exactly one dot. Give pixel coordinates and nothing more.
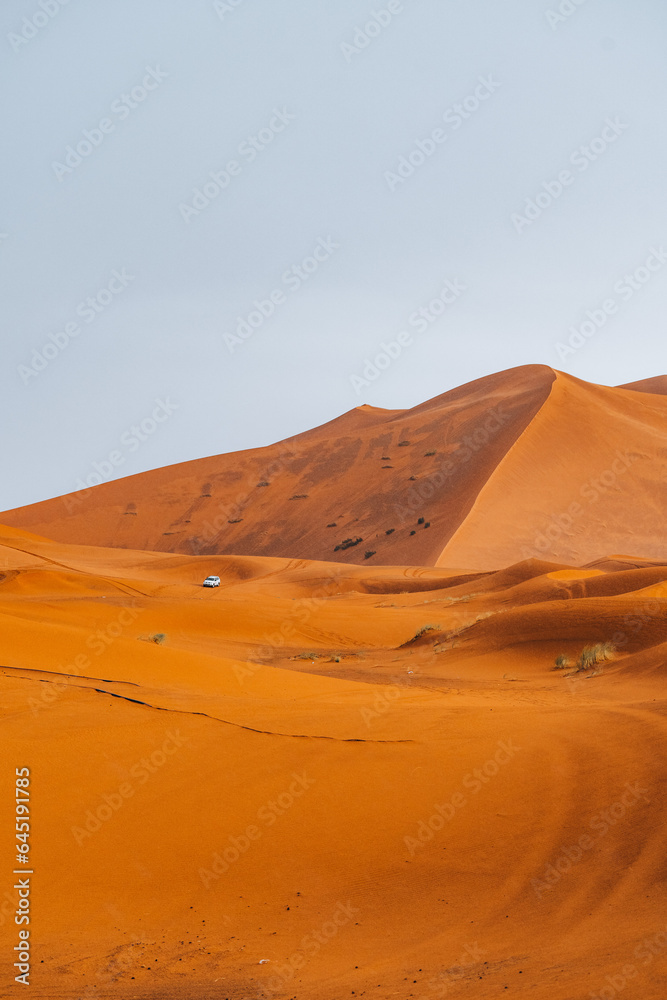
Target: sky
(225, 222)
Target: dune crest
(525, 463)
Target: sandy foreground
(324, 780)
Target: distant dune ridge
(525, 463)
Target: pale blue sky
(482, 105)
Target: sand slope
(587, 477)
(657, 384)
(525, 463)
(370, 776)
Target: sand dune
(657, 384)
(427, 764)
(525, 463)
(370, 780)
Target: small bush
(428, 453)
(413, 532)
(589, 657)
(158, 637)
(427, 524)
(332, 525)
(347, 543)
(262, 484)
(386, 458)
(389, 531)
(420, 520)
(403, 444)
(592, 655)
(422, 631)
(367, 555)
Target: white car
(211, 581)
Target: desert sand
(526, 463)
(332, 778)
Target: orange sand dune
(657, 384)
(522, 464)
(325, 780)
